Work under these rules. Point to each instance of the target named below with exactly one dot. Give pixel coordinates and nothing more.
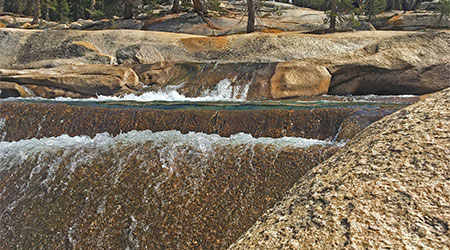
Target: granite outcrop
(387, 188)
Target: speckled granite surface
(388, 188)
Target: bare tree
(371, 9)
(92, 5)
(333, 15)
(416, 4)
(176, 6)
(198, 7)
(128, 9)
(37, 11)
(251, 16)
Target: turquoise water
(320, 102)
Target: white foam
(224, 91)
(200, 142)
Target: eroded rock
(11, 89)
(293, 79)
(85, 79)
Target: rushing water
(164, 189)
(224, 93)
(160, 189)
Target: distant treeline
(385, 4)
(70, 10)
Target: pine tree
(128, 9)
(15, 6)
(63, 10)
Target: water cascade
(162, 170)
(158, 190)
(37, 120)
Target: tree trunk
(92, 5)
(390, 4)
(128, 10)
(47, 10)
(251, 16)
(333, 15)
(176, 6)
(440, 20)
(371, 9)
(198, 7)
(416, 4)
(397, 4)
(37, 11)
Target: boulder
(103, 24)
(86, 24)
(47, 25)
(292, 79)
(12, 21)
(88, 80)
(131, 24)
(139, 53)
(387, 188)
(247, 80)
(51, 92)
(417, 80)
(416, 65)
(61, 26)
(11, 89)
(415, 21)
(28, 26)
(76, 26)
(363, 25)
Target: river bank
(280, 65)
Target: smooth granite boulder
(387, 188)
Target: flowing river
(160, 170)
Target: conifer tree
(128, 9)
(37, 11)
(63, 10)
(15, 6)
(251, 16)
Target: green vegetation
(443, 10)
(339, 11)
(72, 10)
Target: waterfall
(223, 91)
(159, 189)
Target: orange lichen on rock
(205, 43)
(271, 31)
(395, 20)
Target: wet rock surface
(250, 81)
(37, 120)
(88, 80)
(387, 188)
(143, 189)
